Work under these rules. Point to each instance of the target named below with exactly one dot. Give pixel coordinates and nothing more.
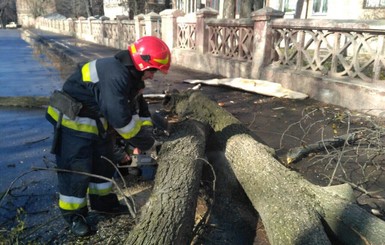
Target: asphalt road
(25, 133)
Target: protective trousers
(78, 154)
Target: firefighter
(100, 98)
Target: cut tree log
(292, 209)
(232, 218)
(168, 216)
(252, 85)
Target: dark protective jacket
(108, 90)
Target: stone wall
(338, 62)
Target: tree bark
(89, 9)
(248, 6)
(168, 216)
(232, 218)
(292, 209)
(229, 9)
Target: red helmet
(150, 52)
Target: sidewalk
(75, 51)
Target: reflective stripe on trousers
(71, 203)
(100, 189)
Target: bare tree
(39, 7)
(134, 7)
(78, 8)
(248, 6)
(229, 9)
(245, 8)
(298, 9)
(168, 4)
(7, 12)
(89, 7)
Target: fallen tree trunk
(168, 216)
(292, 209)
(232, 218)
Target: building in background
(301, 9)
(130, 8)
(113, 8)
(324, 9)
(28, 10)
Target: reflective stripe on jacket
(131, 129)
(90, 74)
(82, 124)
(108, 88)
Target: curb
(25, 101)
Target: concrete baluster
(169, 26)
(71, 27)
(201, 31)
(119, 34)
(152, 21)
(80, 32)
(138, 29)
(263, 36)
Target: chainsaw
(144, 163)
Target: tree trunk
(168, 216)
(299, 9)
(229, 9)
(292, 209)
(232, 218)
(245, 8)
(248, 6)
(89, 9)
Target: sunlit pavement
(25, 134)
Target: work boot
(107, 204)
(79, 226)
(77, 221)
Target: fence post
(169, 25)
(202, 32)
(263, 36)
(71, 28)
(79, 33)
(90, 31)
(152, 22)
(102, 33)
(120, 42)
(138, 28)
